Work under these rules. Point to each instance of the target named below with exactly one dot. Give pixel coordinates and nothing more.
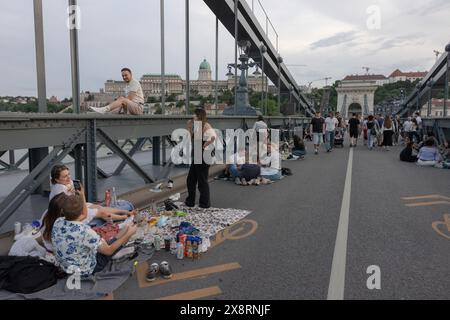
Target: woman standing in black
(198, 172)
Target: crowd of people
(384, 132)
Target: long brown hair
(201, 115)
(56, 172)
(388, 122)
(54, 212)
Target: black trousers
(198, 174)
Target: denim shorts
(317, 138)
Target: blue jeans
(329, 137)
(370, 139)
(298, 153)
(234, 172)
(274, 177)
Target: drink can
(157, 240)
(17, 228)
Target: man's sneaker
(152, 273)
(244, 182)
(157, 188)
(100, 109)
(316, 151)
(170, 184)
(165, 270)
(238, 181)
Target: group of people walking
(374, 130)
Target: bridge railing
(66, 133)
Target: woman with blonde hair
(388, 131)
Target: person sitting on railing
(132, 103)
(76, 245)
(62, 183)
(429, 155)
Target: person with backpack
(372, 131)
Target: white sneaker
(238, 181)
(157, 188)
(100, 110)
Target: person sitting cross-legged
(429, 155)
(76, 246)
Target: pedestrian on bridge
(388, 131)
(318, 131)
(199, 172)
(354, 125)
(330, 126)
(372, 131)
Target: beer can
(157, 240)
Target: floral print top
(75, 246)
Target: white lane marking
(337, 277)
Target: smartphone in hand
(77, 185)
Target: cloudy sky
(332, 38)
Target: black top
(317, 124)
(370, 125)
(353, 123)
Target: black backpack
(286, 172)
(27, 274)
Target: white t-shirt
(56, 189)
(135, 86)
(419, 122)
(236, 159)
(331, 123)
(407, 126)
(260, 125)
(275, 167)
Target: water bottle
(109, 220)
(173, 246)
(180, 251)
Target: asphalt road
(290, 255)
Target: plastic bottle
(154, 209)
(109, 220)
(180, 251)
(113, 197)
(107, 198)
(173, 246)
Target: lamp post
(430, 96)
(262, 51)
(447, 79)
(280, 61)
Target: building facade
(204, 85)
(356, 94)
